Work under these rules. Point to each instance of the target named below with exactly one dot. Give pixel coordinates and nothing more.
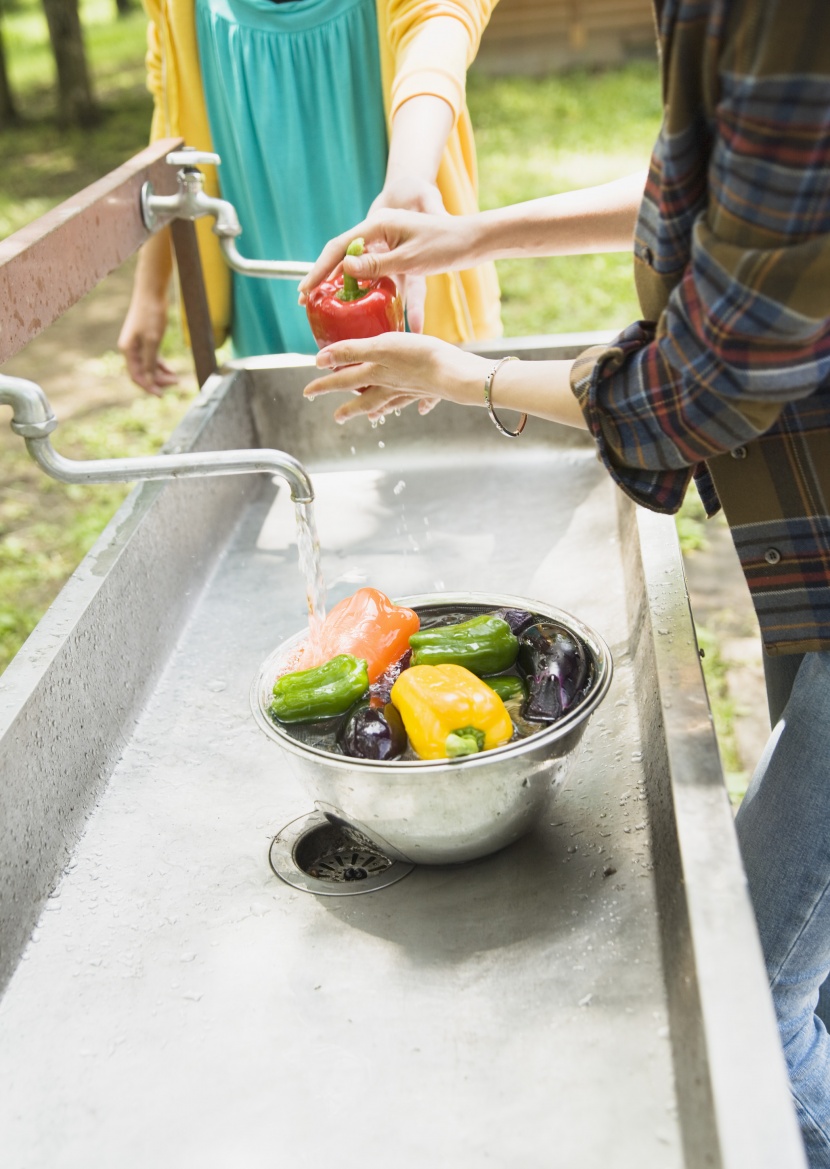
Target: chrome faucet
(191, 202)
(34, 420)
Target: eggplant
(557, 669)
(382, 687)
(372, 730)
(517, 619)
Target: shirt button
(739, 452)
(772, 556)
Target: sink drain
(313, 854)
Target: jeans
(783, 829)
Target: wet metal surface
(177, 1004)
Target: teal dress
(295, 106)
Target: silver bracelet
(488, 390)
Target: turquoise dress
(295, 105)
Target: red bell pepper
(342, 308)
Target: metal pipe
(275, 269)
(34, 420)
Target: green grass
(540, 136)
(724, 710)
(46, 527)
(42, 163)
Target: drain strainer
(316, 855)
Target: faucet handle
(190, 157)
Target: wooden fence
(541, 36)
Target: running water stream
(308, 545)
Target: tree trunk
(8, 110)
(76, 103)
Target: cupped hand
(394, 370)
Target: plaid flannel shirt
(729, 378)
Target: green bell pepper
(483, 645)
(320, 692)
(507, 686)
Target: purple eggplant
(557, 669)
(372, 730)
(382, 687)
(517, 619)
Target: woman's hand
(409, 243)
(410, 194)
(394, 370)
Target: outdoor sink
(591, 995)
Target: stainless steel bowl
(443, 811)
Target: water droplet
(399, 487)
(381, 445)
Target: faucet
(34, 420)
(191, 202)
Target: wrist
(470, 376)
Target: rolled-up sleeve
(433, 43)
(746, 327)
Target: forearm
(397, 366)
(154, 267)
(596, 219)
(539, 388)
(420, 129)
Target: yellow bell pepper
(447, 711)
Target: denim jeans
(784, 833)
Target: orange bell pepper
(367, 625)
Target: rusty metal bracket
(49, 265)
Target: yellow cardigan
(415, 59)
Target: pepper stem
(464, 741)
(351, 290)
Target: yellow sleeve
(153, 63)
(432, 44)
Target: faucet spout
(191, 201)
(34, 420)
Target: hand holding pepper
(340, 308)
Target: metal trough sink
(593, 995)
